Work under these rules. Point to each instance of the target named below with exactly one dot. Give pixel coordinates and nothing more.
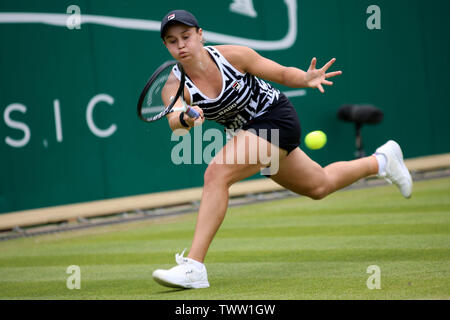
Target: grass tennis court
(294, 248)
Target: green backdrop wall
(68, 127)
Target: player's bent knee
(215, 174)
(210, 175)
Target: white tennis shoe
(396, 171)
(185, 275)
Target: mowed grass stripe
(237, 256)
(254, 270)
(343, 230)
(219, 244)
(265, 289)
(257, 230)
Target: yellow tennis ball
(315, 140)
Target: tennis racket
(151, 106)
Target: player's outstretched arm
(250, 61)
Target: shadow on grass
(171, 290)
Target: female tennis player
(226, 84)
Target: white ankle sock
(382, 161)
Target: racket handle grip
(192, 113)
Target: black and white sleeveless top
(243, 96)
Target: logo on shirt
(236, 86)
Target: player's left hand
(315, 78)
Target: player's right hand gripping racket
(151, 106)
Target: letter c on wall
(90, 110)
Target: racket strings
(164, 84)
